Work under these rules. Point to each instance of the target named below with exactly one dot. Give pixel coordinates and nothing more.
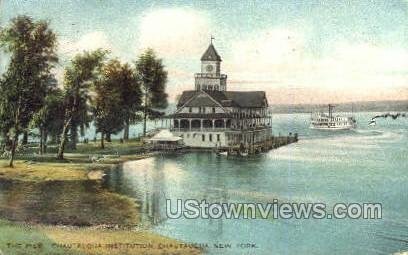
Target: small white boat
(222, 153)
(372, 122)
(329, 121)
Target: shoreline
(59, 238)
(74, 168)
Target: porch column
(201, 124)
(225, 123)
(213, 124)
(189, 124)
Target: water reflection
(277, 175)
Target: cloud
(267, 55)
(174, 32)
(88, 42)
(278, 60)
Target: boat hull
(332, 128)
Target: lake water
(366, 165)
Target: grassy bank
(44, 190)
(115, 147)
(44, 171)
(39, 240)
(49, 169)
(77, 164)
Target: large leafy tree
(153, 77)
(107, 102)
(31, 47)
(49, 119)
(131, 97)
(79, 76)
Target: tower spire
(211, 39)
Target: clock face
(209, 68)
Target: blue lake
(365, 165)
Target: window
(190, 109)
(210, 137)
(203, 109)
(218, 137)
(203, 138)
(213, 109)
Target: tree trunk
(13, 149)
(63, 138)
(144, 120)
(74, 137)
(44, 144)
(108, 137)
(16, 130)
(102, 141)
(145, 111)
(41, 141)
(126, 130)
(25, 138)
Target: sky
(297, 51)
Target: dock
(272, 143)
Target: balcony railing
(175, 129)
(208, 75)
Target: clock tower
(210, 77)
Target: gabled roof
(244, 99)
(210, 54)
(165, 135)
(201, 100)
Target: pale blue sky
(279, 46)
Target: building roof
(243, 99)
(165, 135)
(201, 115)
(210, 54)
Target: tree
(83, 72)
(80, 120)
(153, 77)
(131, 97)
(32, 50)
(50, 118)
(108, 107)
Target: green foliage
(51, 116)
(153, 76)
(31, 47)
(107, 103)
(84, 70)
(131, 93)
(79, 77)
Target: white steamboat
(324, 121)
